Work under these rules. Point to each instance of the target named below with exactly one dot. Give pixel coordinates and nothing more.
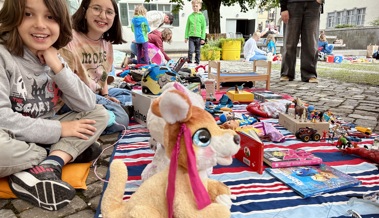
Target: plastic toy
(365, 130)
(307, 133)
(372, 154)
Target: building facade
(339, 13)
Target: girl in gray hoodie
(36, 140)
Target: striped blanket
(261, 195)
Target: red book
(251, 151)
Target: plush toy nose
(237, 139)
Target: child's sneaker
(42, 186)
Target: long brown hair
(79, 23)
(11, 16)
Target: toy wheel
(145, 90)
(305, 138)
(316, 137)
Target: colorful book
(289, 158)
(313, 180)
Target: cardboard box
(240, 96)
(141, 104)
(266, 95)
(289, 122)
(251, 151)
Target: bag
(371, 49)
(376, 55)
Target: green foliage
(223, 40)
(375, 22)
(344, 26)
(211, 52)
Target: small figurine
(299, 108)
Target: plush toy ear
(174, 106)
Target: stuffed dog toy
(193, 142)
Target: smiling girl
(96, 25)
(34, 83)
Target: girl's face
(100, 16)
(38, 29)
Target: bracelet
(105, 95)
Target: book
(251, 150)
(313, 180)
(289, 157)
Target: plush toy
(155, 125)
(194, 142)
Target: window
(361, 16)
(350, 17)
(127, 11)
(339, 18)
(330, 20)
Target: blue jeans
(121, 116)
(123, 95)
(257, 57)
(194, 46)
(328, 49)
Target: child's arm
(203, 29)
(186, 32)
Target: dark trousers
(304, 21)
(194, 46)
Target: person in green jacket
(195, 31)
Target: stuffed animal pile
(194, 142)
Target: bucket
(231, 50)
(330, 59)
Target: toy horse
(299, 108)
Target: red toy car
(358, 134)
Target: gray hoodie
(31, 94)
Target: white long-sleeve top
(250, 49)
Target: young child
(250, 50)
(96, 26)
(323, 45)
(270, 43)
(34, 83)
(195, 31)
(140, 27)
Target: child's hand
(114, 100)
(202, 42)
(78, 128)
(50, 58)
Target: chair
(214, 72)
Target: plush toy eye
(202, 138)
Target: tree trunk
(213, 9)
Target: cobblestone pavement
(354, 103)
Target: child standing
(34, 83)
(270, 43)
(195, 31)
(140, 27)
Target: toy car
(365, 130)
(307, 133)
(358, 134)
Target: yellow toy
(194, 142)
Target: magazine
(313, 180)
(289, 158)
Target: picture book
(289, 158)
(313, 180)
(251, 151)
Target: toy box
(266, 95)
(251, 151)
(292, 125)
(141, 103)
(240, 96)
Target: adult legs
(309, 37)
(291, 39)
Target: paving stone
(83, 214)
(3, 203)
(94, 202)
(6, 213)
(358, 116)
(93, 189)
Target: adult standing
(302, 18)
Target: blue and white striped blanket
(261, 195)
